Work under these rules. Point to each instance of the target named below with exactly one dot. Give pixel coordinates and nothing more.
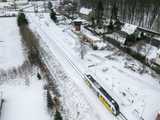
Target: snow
(137, 93)
(11, 51)
(79, 20)
(100, 45)
(115, 79)
(24, 101)
(90, 37)
(129, 28)
(85, 11)
(117, 37)
(78, 98)
(158, 52)
(24, 95)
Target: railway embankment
(35, 58)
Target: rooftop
(129, 28)
(85, 11)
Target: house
(130, 33)
(84, 12)
(90, 38)
(77, 24)
(94, 41)
(128, 29)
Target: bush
(49, 100)
(130, 39)
(57, 116)
(53, 15)
(21, 20)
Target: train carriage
(105, 98)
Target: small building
(84, 12)
(130, 33)
(128, 29)
(77, 24)
(90, 38)
(95, 42)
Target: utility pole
(81, 52)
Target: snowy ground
(25, 99)
(11, 50)
(119, 74)
(24, 95)
(78, 100)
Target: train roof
(94, 81)
(100, 88)
(106, 94)
(103, 91)
(109, 98)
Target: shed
(91, 38)
(130, 33)
(77, 24)
(129, 29)
(84, 12)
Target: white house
(90, 38)
(84, 12)
(127, 31)
(129, 28)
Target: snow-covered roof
(158, 52)
(85, 11)
(129, 28)
(78, 20)
(100, 45)
(117, 37)
(92, 37)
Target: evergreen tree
(114, 12)
(50, 5)
(58, 116)
(49, 100)
(99, 12)
(53, 15)
(21, 20)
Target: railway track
(67, 58)
(121, 117)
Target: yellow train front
(105, 98)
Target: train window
(112, 109)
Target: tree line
(144, 13)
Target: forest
(143, 13)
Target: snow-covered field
(11, 50)
(134, 86)
(78, 100)
(136, 90)
(25, 99)
(24, 95)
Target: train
(104, 97)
